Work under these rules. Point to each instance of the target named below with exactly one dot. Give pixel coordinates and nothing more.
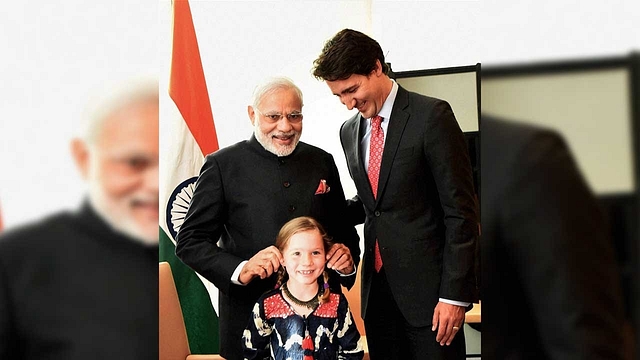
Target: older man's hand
(339, 259)
(262, 265)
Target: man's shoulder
(350, 124)
(420, 99)
(231, 150)
(510, 138)
(312, 149)
(229, 154)
(420, 107)
(518, 132)
(354, 120)
(39, 232)
(511, 151)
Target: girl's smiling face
(304, 257)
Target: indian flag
(189, 122)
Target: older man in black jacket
(246, 192)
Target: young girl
(302, 319)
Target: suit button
(292, 208)
(376, 213)
(286, 184)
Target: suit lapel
(397, 124)
(356, 145)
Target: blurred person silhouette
(550, 284)
(243, 196)
(83, 284)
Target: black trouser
(390, 336)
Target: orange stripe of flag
(187, 86)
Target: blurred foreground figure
(83, 284)
(550, 283)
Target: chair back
(173, 334)
(353, 297)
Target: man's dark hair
(348, 52)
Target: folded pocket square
(323, 188)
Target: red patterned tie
(376, 145)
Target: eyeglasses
(294, 117)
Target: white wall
(55, 52)
(55, 55)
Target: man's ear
(80, 153)
(378, 69)
(252, 114)
(376, 72)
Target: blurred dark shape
(621, 215)
(83, 284)
(550, 281)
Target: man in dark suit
(83, 284)
(246, 192)
(550, 283)
(414, 181)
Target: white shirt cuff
(453, 302)
(236, 274)
(345, 275)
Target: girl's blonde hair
(292, 227)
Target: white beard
(267, 143)
(119, 219)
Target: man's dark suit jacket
(550, 288)
(243, 197)
(72, 288)
(425, 216)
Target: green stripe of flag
(200, 318)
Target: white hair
(272, 84)
(112, 99)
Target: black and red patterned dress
(275, 331)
